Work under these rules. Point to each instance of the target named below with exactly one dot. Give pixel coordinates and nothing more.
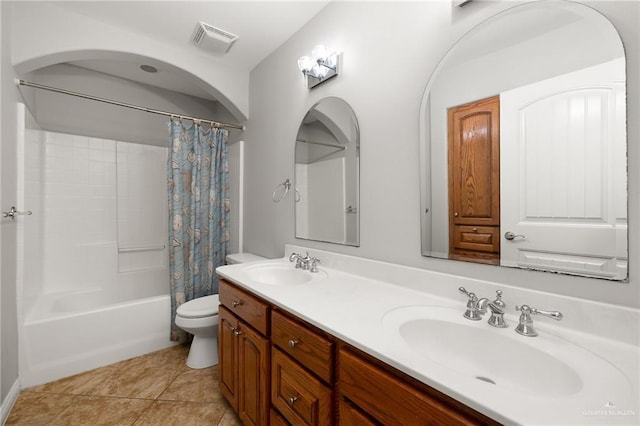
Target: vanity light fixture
(320, 67)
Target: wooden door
(228, 325)
(254, 362)
(474, 180)
(564, 159)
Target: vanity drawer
(309, 348)
(300, 397)
(252, 310)
(389, 400)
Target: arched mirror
(523, 144)
(327, 160)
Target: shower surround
(92, 256)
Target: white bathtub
(68, 333)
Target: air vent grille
(213, 39)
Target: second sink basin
(546, 366)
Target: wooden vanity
(278, 369)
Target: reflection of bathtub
(68, 333)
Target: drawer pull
(293, 343)
(236, 303)
(292, 400)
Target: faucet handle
(526, 310)
(525, 326)
(499, 302)
(472, 296)
(314, 264)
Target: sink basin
(546, 365)
(280, 274)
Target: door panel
(563, 149)
(253, 353)
(228, 357)
(474, 179)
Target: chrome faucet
(297, 258)
(525, 327)
(497, 308)
(475, 307)
(306, 263)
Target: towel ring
(286, 185)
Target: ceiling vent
(213, 39)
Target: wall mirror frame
(523, 144)
(327, 174)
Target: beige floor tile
(102, 411)
(137, 380)
(230, 419)
(195, 386)
(79, 384)
(33, 408)
(172, 413)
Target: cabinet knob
(237, 331)
(292, 400)
(293, 343)
(236, 303)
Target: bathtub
(72, 332)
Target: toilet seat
(199, 308)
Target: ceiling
(262, 26)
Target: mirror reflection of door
(474, 181)
(564, 148)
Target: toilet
(200, 318)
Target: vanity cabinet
(301, 372)
(277, 369)
(244, 354)
(372, 393)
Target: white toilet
(200, 318)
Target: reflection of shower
(321, 153)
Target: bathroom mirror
(523, 144)
(327, 182)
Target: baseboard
(8, 402)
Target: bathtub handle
(235, 303)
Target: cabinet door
(351, 416)
(228, 326)
(253, 396)
(299, 396)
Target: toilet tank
(243, 258)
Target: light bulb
(319, 53)
(305, 63)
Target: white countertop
(353, 308)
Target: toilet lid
(201, 307)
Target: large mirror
(523, 144)
(327, 161)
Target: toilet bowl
(200, 318)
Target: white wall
(70, 36)
(388, 58)
(8, 166)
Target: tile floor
(154, 389)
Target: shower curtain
(198, 187)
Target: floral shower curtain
(198, 187)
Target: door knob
(511, 236)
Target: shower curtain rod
(196, 120)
